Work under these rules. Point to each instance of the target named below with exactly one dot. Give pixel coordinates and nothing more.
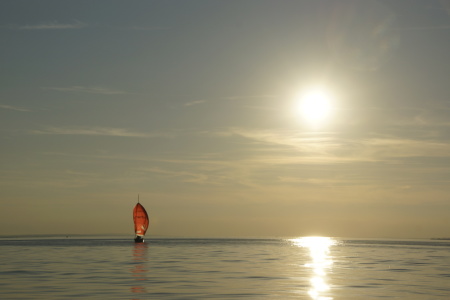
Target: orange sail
(140, 219)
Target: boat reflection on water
(321, 263)
(139, 271)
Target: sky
(196, 106)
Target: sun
(315, 105)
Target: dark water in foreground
(304, 268)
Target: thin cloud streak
(257, 170)
(144, 28)
(284, 147)
(2, 106)
(197, 102)
(247, 97)
(233, 98)
(328, 182)
(53, 25)
(442, 27)
(328, 147)
(61, 179)
(96, 131)
(189, 177)
(90, 90)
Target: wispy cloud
(83, 89)
(197, 102)
(146, 28)
(97, 131)
(312, 181)
(2, 106)
(185, 176)
(291, 146)
(290, 138)
(250, 97)
(441, 27)
(52, 25)
(295, 159)
(235, 98)
(392, 147)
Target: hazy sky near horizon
(194, 105)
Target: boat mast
(138, 198)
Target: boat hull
(139, 239)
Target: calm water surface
(303, 268)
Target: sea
(319, 268)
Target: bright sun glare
(315, 105)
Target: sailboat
(140, 218)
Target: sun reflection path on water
(321, 262)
